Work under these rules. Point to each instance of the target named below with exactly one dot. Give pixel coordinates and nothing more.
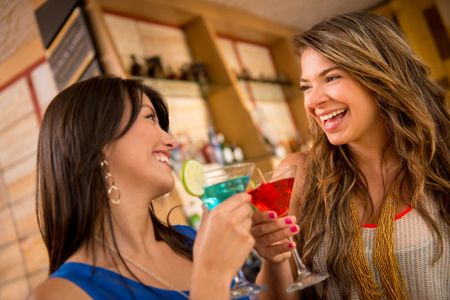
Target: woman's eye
(331, 77)
(152, 117)
(304, 88)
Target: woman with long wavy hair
(103, 156)
(372, 197)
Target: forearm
(209, 285)
(277, 277)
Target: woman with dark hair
(372, 195)
(103, 156)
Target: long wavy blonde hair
(374, 52)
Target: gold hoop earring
(112, 190)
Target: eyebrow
(321, 73)
(148, 106)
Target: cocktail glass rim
(237, 166)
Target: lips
(332, 120)
(161, 157)
(325, 117)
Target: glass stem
(239, 279)
(302, 270)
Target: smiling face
(139, 159)
(345, 110)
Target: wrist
(207, 283)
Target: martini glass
(222, 183)
(273, 192)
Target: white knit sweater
(415, 247)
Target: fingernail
(288, 221)
(294, 228)
(291, 245)
(272, 215)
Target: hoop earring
(112, 190)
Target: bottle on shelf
(176, 158)
(280, 151)
(192, 208)
(170, 73)
(135, 68)
(245, 74)
(207, 152)
(228, 156)
(198, 69)
(184, 72)
(154, 67)
(238, 154)
(227, 153)
(215, 144)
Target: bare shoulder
(297, 158)
(57, 288)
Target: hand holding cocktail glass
(223, 251)
(272, 193)
(214, 187)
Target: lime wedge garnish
(251, 184)
(193, 177)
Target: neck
(133, 228)
(371, 153)
(377, 161)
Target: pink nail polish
(294, 229)
(288, 221)
(291, 245)
(272, 215)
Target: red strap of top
(397, 216)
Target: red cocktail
(273, 195)
(273, 192)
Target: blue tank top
(101, 283)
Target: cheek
(145, 136)
(341, 92)
(307, 105)
(370, 105)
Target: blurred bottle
(184, 72)
(280, 151)
(227, 153)
(244, 75)
(135, 69)
(170, 73)
(215, 144)
(154, 67)
(176, 160)
(238, 154)
(208, 153)
(193, 212)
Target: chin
(163, 191)
(168, 186)
(336, 141)
(161, 185)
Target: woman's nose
(315, 97)
(168, 140)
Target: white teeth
(161, 158)
(331, 115)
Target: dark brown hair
(374, 52)
(72, 202)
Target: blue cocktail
(221, 184)
(216, 193)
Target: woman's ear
(106, 151)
